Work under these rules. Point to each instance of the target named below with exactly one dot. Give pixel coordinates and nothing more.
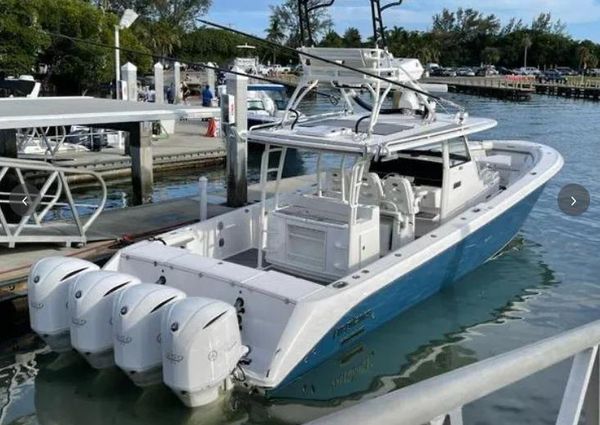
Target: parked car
(565, 70)
(502, 70)
(593, 72)
(486, 71)
(449, 72)
(529, 70)
(437, 72)
(465, 72)
(551, 76)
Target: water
(545, 282)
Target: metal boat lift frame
(41, 204)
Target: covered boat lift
(16, 113)
(133, 117)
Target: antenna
(377, 16)
(305, 8)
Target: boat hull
(419, 284)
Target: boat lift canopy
(57, 111)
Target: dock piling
(140, 146)
(8, 143)
(177, 82)
(235, 140)
(159, 83)
(129, 74)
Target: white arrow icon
(574, 201)
(24, 201)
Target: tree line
(168, 28)
(467, 37)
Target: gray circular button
(22, 198)
(573, 199)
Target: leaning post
(235, 140)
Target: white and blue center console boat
(404, 201)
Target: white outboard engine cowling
(201, 346)
(136, 330)
(47, 291)
(90, 306)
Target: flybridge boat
(404, 201)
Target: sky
(582, 17)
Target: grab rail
(439, 400)
(39, 205)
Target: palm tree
(585, 55)
(526, 44)
(275, 33)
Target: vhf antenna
(378, 27)
(305, 8)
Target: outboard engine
(136, 330)
(90, 307)
(48, 289)
(201, 346)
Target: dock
(589, 90)
(517, 89)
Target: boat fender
(47, 290)
(90, 307)
(136, 318)
(201, 348)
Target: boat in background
(24, 86)
(404, 202)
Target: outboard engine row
(150, 331)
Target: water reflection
(68, 391)
(421, 343)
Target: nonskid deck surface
(247, 258)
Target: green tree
(175, 13)
(490, 55)
(287, 13)
(75, 67)
(275, 33)
(20, 36)
(352, 38)
(332, 39)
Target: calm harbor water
(545, 282)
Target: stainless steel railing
(54, 193)
(440, 399)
